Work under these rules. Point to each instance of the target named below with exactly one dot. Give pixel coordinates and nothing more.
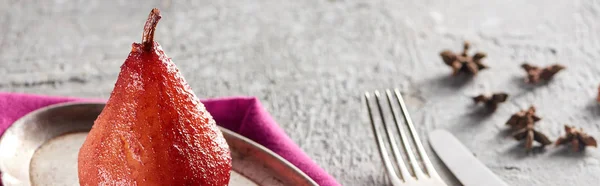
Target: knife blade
(461, 161)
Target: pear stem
(148, 36)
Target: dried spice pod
(523, 118)
(530, 134)
(536, 74)
(598, 98)
(491, 101)
(462, 62)
(577, 138)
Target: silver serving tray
(41, 149)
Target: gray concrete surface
(309, 62)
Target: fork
(418, 177)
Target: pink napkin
(244, 115)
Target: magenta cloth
(244, 115)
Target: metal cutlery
(461, 161)
(419, 176)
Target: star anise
(530, 135)
(577, 138)
(463, 62)
(491, 101)
(598, 98)
(536, 74)
(523, 118)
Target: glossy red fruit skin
(153, 131)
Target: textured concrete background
(309, 62)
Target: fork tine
(382, 150)
(401, 165)
(406, 143)
(428, 166)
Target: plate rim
(225, 131)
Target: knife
(468, 170)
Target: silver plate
(41, 149)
